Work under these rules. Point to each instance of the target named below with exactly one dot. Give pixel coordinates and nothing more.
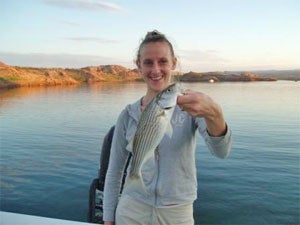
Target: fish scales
(148, 132)
(152, 126)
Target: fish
(154, 123)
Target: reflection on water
(28, 91)
(51, 138)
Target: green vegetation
(10, 78)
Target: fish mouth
(168, 108)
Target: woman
(170, 179)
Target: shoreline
(15, 77)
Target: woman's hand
(198, 104)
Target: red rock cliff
(13, 76)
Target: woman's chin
(157, 85)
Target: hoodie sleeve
(218, 146)
(117, 162)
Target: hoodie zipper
(157, 165)
(156, 154)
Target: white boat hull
(8, 218)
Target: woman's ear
(137, 63)
(174, 63)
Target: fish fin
(162, 113)
(169, 131)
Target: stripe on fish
(152, 126)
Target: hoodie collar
(134, 110)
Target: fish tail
(136, 179)
(134, 175)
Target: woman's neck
(147, 99)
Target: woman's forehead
(156, 49)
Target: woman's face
(155, 64)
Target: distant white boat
(8, 218)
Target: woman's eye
(147, 63)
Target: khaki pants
(133, 212)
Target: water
(51, 139)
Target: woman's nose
(155, 68)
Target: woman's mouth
(156, 78)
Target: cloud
(59, 60)
(86, 5)
(201, 60)
(69, 23)
(206, 56)
(91, 39)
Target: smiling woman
(166, 187)
(155, 61)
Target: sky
(207, 35)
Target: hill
(222, 77)
(280, 74)
(13, 76)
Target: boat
(9, 218)
(95, 213)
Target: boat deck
(8, 218)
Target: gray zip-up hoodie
(170, 176)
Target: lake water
(51, 139)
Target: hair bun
(154, 34)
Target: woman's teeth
(156, 78)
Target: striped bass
(152, 126)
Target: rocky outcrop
(13, 76)
(222, 77)
(110, 73)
